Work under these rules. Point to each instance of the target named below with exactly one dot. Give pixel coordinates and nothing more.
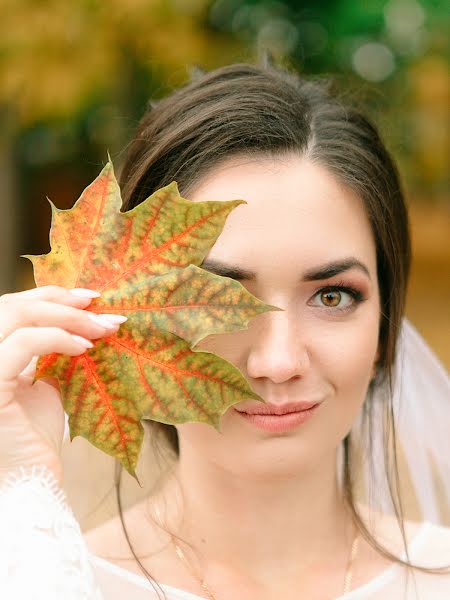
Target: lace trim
(35, 472)
(43, 555)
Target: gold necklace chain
(201, 581)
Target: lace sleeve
(43, 555)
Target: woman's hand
(33, 323)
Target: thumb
(30, 371)
(53, 382)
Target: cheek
(346, 362)
(351, 351)
(349, 355)
(229, 346)
(198, 436)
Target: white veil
(421, 407)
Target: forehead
(295, 209)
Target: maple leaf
(145, 264)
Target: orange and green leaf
(145, 262)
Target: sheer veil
(421, 408)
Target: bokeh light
(373, 61)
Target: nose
(279, 349)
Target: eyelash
(357, 296)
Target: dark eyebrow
(317, 273)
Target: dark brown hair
(264, 110)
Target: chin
(278, 457)
(279, 470)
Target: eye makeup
(356, 294)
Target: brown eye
(331, 298)
(342, 298)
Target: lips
(273, 409)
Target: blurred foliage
(56, 57)
(76, 76)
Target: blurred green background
(75, 78)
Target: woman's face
(323, 345)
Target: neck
(301, 520)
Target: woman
(262, 509)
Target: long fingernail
(82, 341)
(115, 319)
(84, 293)
(107, 320)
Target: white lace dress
(43, 555)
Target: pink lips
(274, 409)
(277, 419)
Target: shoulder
(148, 538)
(428, 543)
(435, 544)
(432, 552)
(109, 542)
(108, 539)
(149, 542)
(423, 538)
(428, 547)
(107, 535)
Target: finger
(40, 313)
(54, 293)
(19, 348)
(30, 369)
(53, 382)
